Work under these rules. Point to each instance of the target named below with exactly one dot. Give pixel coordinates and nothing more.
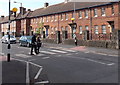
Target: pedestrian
(75, 41)
(33, 45)
(38, 44)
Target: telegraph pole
(8, 55)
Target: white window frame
(80, 14)
(112, 10)
(96, 31)
(86, 13)
(80, 29)
(66, 16)
(95, 12)
(103, 13)
(104, 29)
(87, 27)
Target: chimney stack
(22, 10)
(66, 1)
(46, 4)
(29, 9)
(2, 17)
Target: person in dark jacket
(38, 44)
(33, 45)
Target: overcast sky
(29, 4)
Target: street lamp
(22, 30)
(18, 2)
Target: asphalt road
(63, 65)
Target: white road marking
(87, 52)
(101, 53)
(27, 68)
(113, 55)
(40, 54)
(59, 55)
(95, 61)
(37, 75)
(64, 49)
(27, 73)
(92, 60)
(45, 57)
(2, 53)
(46, 52)
(23, 55)
(58, 51)
(110, 64)
(68, 54)
(76, 53)
(42, 82)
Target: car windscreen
(6, 36)
(29, 37)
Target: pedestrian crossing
(46, 52)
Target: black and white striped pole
(14, 10)
(8, 55)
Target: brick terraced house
(92, 23)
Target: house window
(55, 17)
(103, 29)
(96, 29)
(86, 13)
(66, 28)
(66, 16)
(46, 18)
(80, 14)
(62, 28)
(112, 9)
(95, 13)
(72, 14)
(86, 27)
(80, 28)
(61, 16)
(103, 11)
(51, 18)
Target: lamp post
(9, 21)
(22, 30)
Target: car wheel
(20, 44)
(28, 44)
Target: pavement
(10, 69)
(98, 50)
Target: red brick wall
(100, 20)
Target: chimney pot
(46, 4)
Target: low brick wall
(103, 44)
(49, 41)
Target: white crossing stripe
(45, 57)
(65, 49)
(58, 51)
(39, 54)
(23, 55)
(68, 50)
(46, 52)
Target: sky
(28, 4)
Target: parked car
(25, 41)
(5, 39)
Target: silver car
(5, 39)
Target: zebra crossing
(46, 52)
